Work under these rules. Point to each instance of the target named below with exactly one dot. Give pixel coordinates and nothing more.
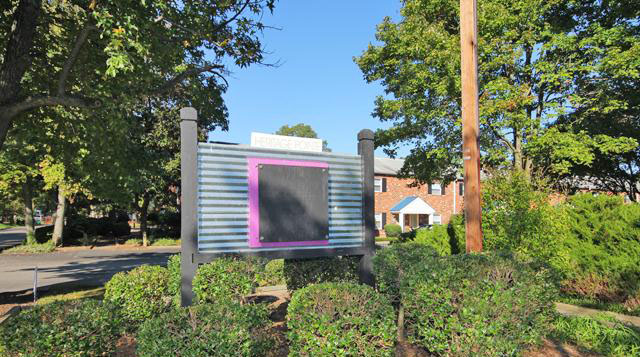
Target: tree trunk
(144, 211)
(17, 56)
(58, 224)
(27, 195)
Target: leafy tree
(89, 54)
(530, 54)
(301, 130)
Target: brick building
(411, 207)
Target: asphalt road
(11, 237)
(79, 267)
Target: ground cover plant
(225, 279)
(340, 319)
(272, 273)
(221, 329)
(34, 248)
(84, 328)
(600, 334)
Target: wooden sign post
(470, 126)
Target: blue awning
(403, 203)
(412, 205)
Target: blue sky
(317, 82)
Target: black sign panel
(293, 203)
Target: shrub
(220, 329)
(273, 273)
(44, 234)
(392, 263)
(392, 230)
(603, 247)
(600, 334)
(133, 241)
(163, 242)
(225, 279)
(74, 328)
(141, 293)
(299, 273)
(436, 237)
(340, 319)
(173, 266)
(456, 230)
(490, 305)
(120, 229)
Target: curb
(573, 310)
(12, 312)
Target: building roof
(413, 205)
(386, 166)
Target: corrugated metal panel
(223, 193)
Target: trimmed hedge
(393, 263)
(72, 328)
(340, 319)
(299, 273)
(173, 267)
(273, 273)
(225, 279)
(43, 234)
(489, 305)
(436, 237)
(141, 293)
(221, 329)
(392, 230)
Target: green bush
(75, 328)
(273, 273)
(456, 230)
(173, 266)
(340, 319)
(120, 229)
(600, 334)
(393, 263)
(436, 237)
(36, 248)
(225, 279)
(603, 247)
(165, 242)
(44, 234)
(299, 273)
(485, 305)
(392, 230)
(221, 329)
(141, 293)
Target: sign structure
(271, 141)
(247, 200)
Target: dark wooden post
(470, 127)
(365, 150)
(188, 201)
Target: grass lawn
(600, 305)
(47, 247)
(5, 226)
(83, 293)
(600, 334)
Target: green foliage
(133, 241)
(43, 234)
(600, 334)
(35, 248)
(225, 279)
(273, 273)
(141, 293)
(456, 230)
(436, 237)
(393, 263)
(217, 330)
(484, 305)
(603, 246)
(531, 78)
(340, 319)
(173, 266)
(82, 328)
(299, 273)
(121, 229)
(165, 242)
(392, 230)
(516, 216)
(301, 130)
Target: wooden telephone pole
(470, 126)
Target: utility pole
(470, 126)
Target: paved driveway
(81, 267)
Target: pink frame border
(254, 207)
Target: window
(377, 184)
(378, 220)
(437, 219)
(436, 189)
(461, 189)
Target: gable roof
(386, 166)
(412, 205)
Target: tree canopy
(301, 130)
(535, 57)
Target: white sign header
(271, 141)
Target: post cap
(365, 134)
(188, 113)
